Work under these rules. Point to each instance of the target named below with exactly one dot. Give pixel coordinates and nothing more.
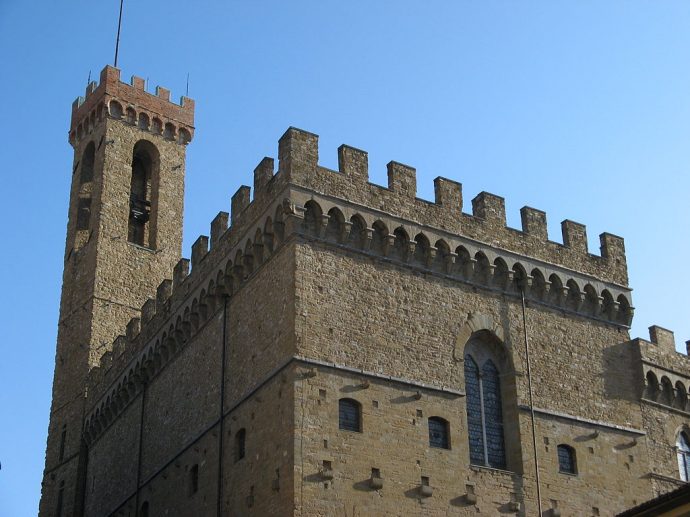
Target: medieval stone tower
(124, 235)
(337, 347)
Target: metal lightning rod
(119, 26)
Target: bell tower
(124, 236)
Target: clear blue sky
(581, 109)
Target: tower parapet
(132, 103)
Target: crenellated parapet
(298, 160)
(665, 371)
(304, 202)
(132, 104)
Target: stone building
(337, 347)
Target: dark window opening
(566, 459)
(438, 433)
(240, 445)
(83, 213)
(349, 415)
(63, 438)
(194, 479)
(87, 162)
(60, 497)
(144, 510)
(141, 195)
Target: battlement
(298, 154)
(665, 371)
(132, 104)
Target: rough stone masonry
(337, 347)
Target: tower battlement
(132, 103)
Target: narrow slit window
(194, 479)
(63, 438)
(240, 444)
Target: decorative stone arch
(358, 231)
(476, 322)
(539, 286)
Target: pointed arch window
(484, 414)
(683, 451)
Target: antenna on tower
(117, 41)
(187, 91)
(88, 81)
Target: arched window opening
(439, 433)
(422, 249)
(556, 292)
(240, 444)
(312, 217)
(131, 116)
(666, 391)
(442, 259)
(336, 225)
(566, 459)
(144, 510)
(378, 238)
(142, 190)
(115, 109)
(464, 264)
(683, 448)
(500, 276)
(194, 479)
(482, 269)
(484, 406)
(651, 389)
(87, 162)
(681, 396)
(156, 126)
(144, 121)
(357, 232)
(401, 245)
(184, 137)
(349, 415)
(538, 289)
(169, 132)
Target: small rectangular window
(349, 415)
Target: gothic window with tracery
(484, 414)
